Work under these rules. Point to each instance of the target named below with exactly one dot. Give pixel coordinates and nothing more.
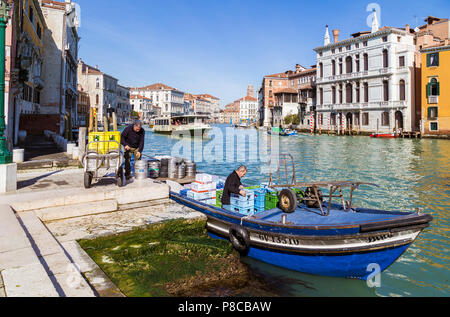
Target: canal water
(411, 174)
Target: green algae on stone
(150, 261)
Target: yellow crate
(100, 146)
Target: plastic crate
(219, 195)
(271, 200)
(100, 144)
(201, 196)
(204, 178)
(248, 196)
(260, 204)
(243, 210)
(259, 209)
(260, 196)
(299, 193)
(211, 201)
(243, 201)
(184, 192)
(203, 187)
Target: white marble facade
(366, 83)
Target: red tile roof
(157, 86)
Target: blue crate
(259, 209)
(249, 196)
(242, 203)
(260, 196)
(184, 192)
(260, 204)
(243, 210)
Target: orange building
(435, 95)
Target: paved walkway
(33, 262)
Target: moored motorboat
(342, 244)
(383, 135)
(311, 234)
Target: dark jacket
(232, 185)
(132, 139)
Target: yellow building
(435, 90)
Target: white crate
(202, 187)
(203, 178)
(211, 201)
(201, 196)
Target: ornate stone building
(367, 82)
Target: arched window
(385, 59)
(402, 90)
(366, 62)
(321, 70)
(348, 93)
(333, 67)
(385, 119)
(386, 90)
(97, 99)
(433, 87)
(349, 65)
(366, 92)
(358, 93)
(333, 119)
(333, 95)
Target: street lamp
(5, 154)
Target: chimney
(336, 35)
(297, 68)
(408, 29)
(446, 42)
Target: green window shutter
(428, 89)
(438, 88)
(429, 112)
(428, 60)
(437, 59)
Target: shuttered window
(433, 60)
(433, 88)
(432, 112)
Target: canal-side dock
(41, 222)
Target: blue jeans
(227, 207)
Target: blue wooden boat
(346, 242)
(310, 233)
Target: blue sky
(222, 46)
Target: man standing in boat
(233, 185)
(132, 139)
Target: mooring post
(82, 132)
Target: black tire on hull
(240, 239)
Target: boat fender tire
(240, 239)
(288, 201)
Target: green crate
(219, 194)
(252, 187)
(271, 200)
(299, 193)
